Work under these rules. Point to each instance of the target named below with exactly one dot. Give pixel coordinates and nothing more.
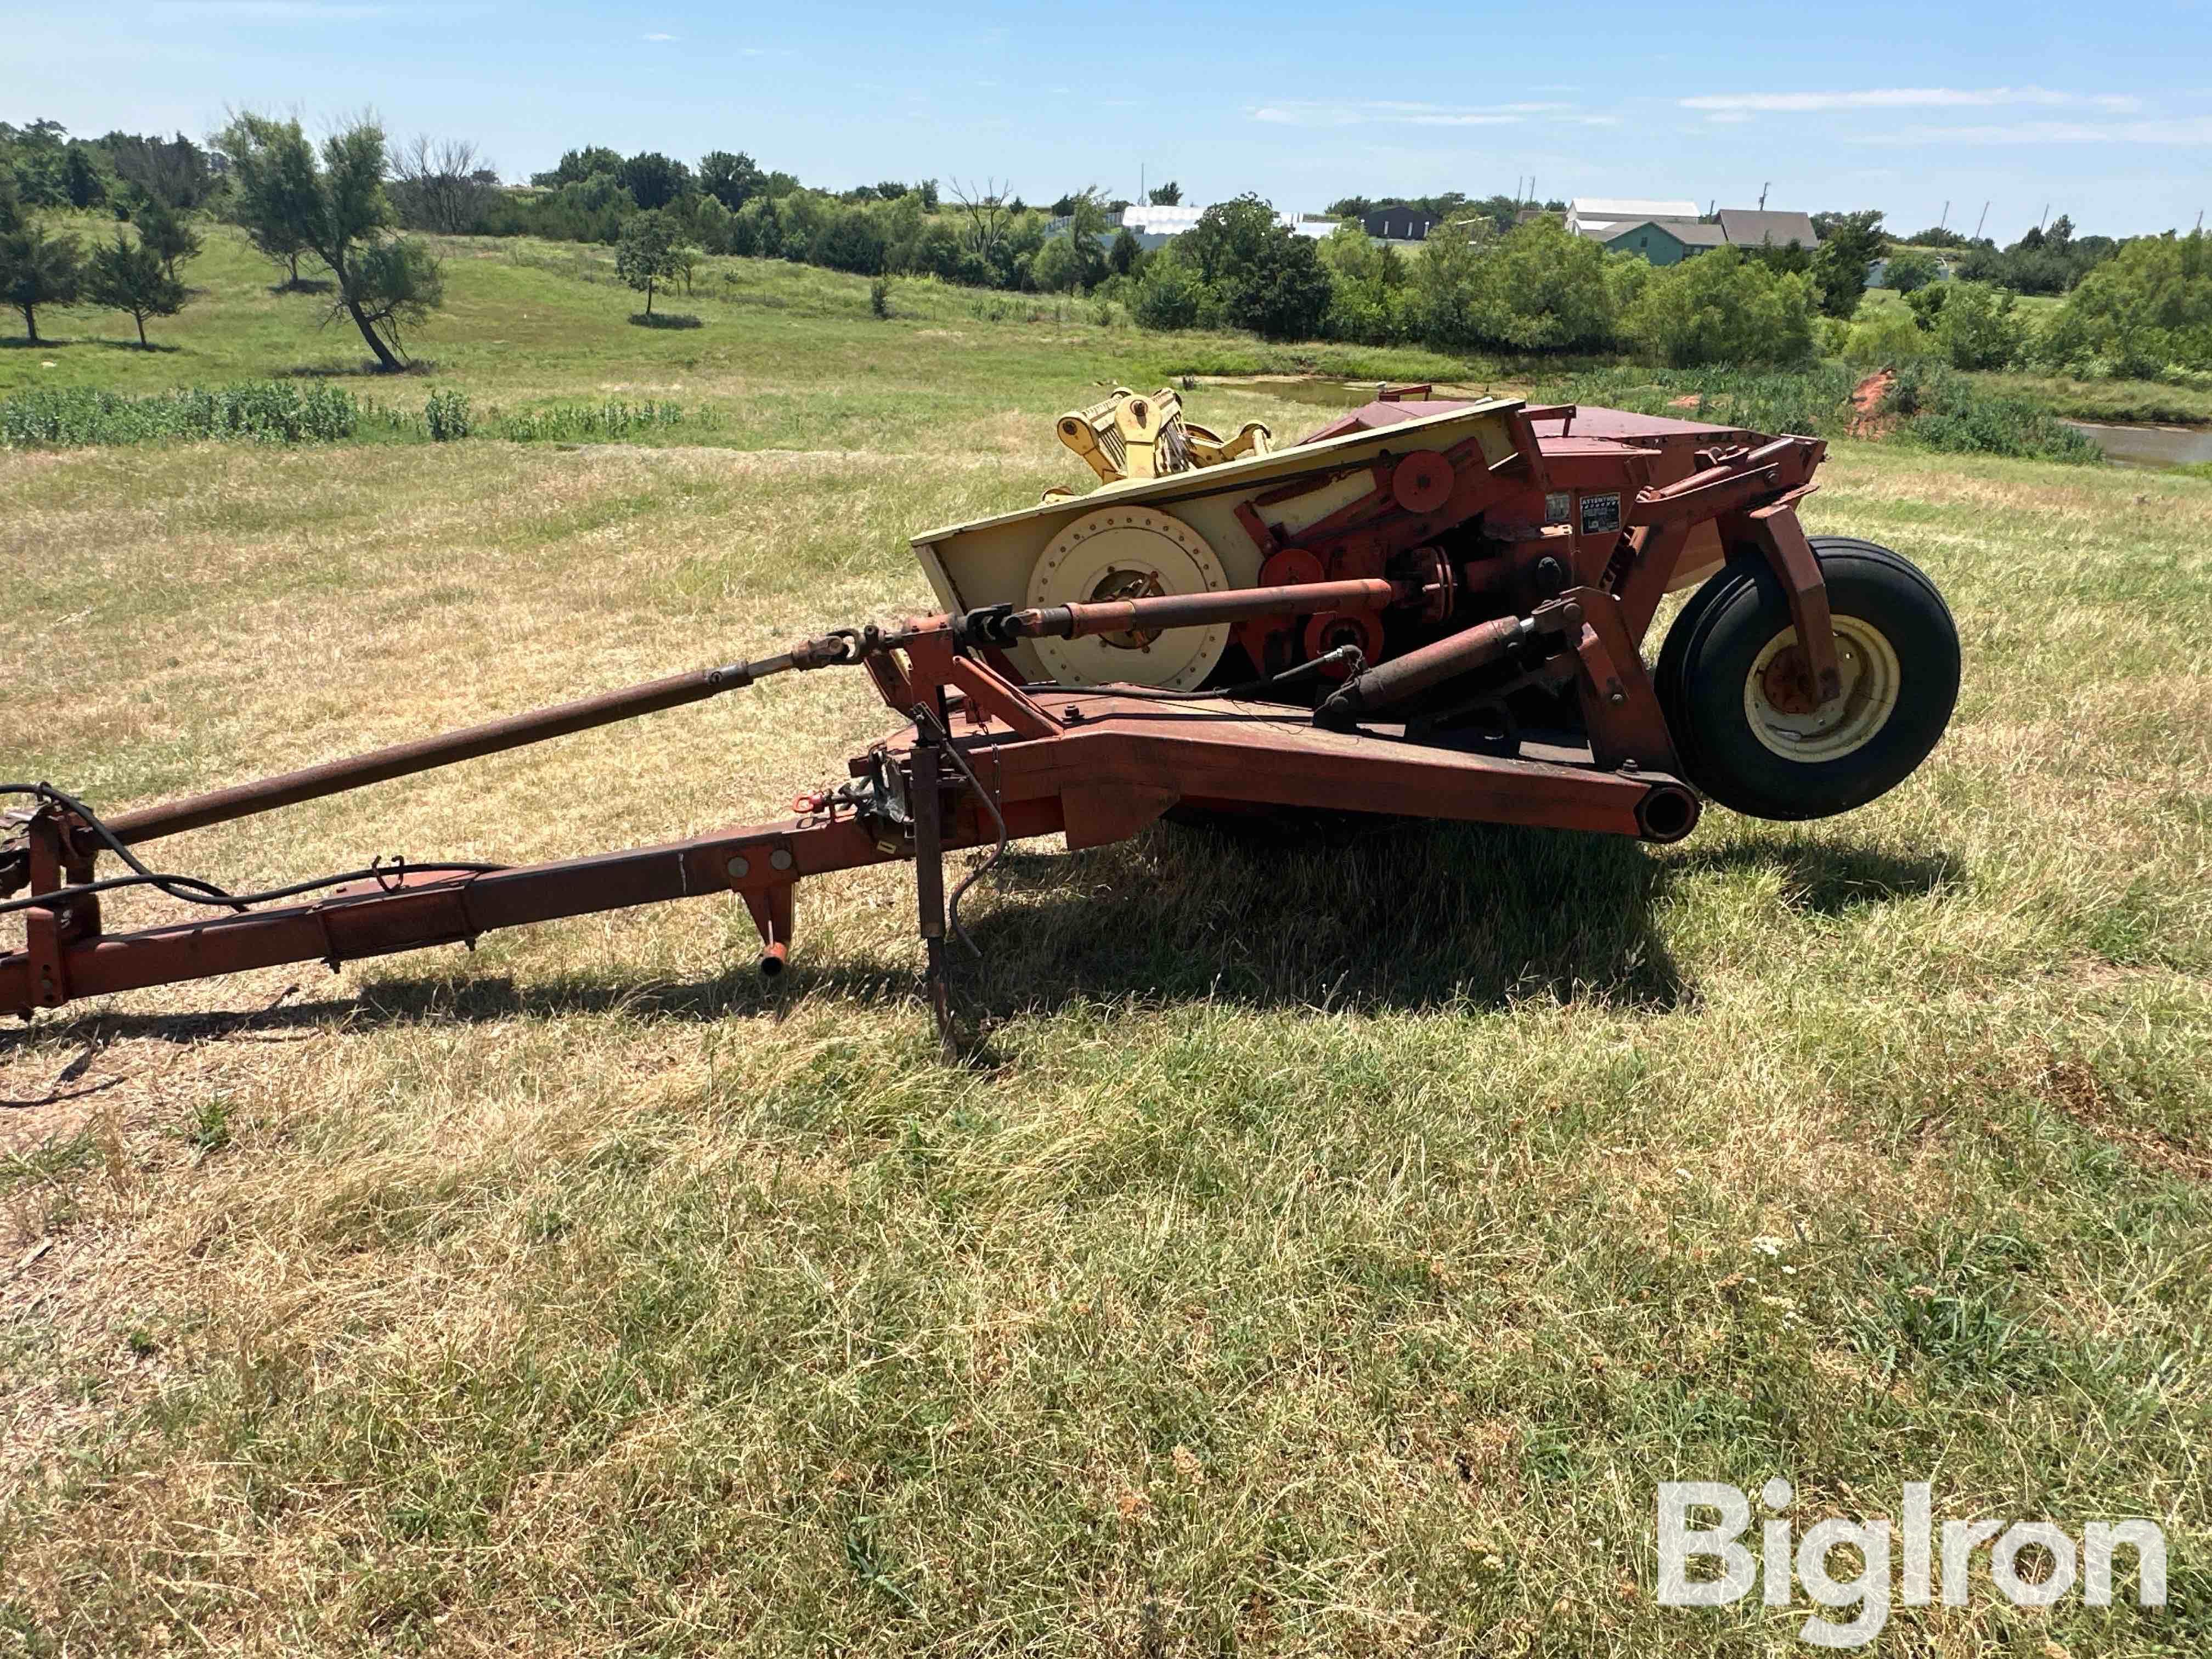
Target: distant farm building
(1153, 226)
(1662, 241)
(1589, 215)
(1667, 233)
(1399, 224)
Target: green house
(1666, 241)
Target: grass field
(1331, 1249)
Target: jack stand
(929, 880)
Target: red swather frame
(982, 761)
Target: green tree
(579, 165)
(128, 276)
(1127, 254)
(1369, 296)
(1260, 275)
(645, 258)
(1169, 293)
(165, 230)
(1167, 195)
(38, 154)
(849, 239)
(2149, 306)
(1722, 307)
(653, 180)
(1911, 269)
(1850, 242)
(710, 222)
(336, 209)
(731, 179)
(80, 178)
(1977, 326)
(1543, 288)
(1057, 268)
(37, 268)
(174, 170)
(1086, 233)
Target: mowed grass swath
(1338, 1242)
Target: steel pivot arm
(1753, 495)
(874, 820)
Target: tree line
(1486, 278)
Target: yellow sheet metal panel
(989, 562)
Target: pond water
(2148, 446)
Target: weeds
(264, 411)
(605, 422)
(277, 411)
(1944, 410)
(447, 415)
(1939, 408)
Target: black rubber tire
(1727, 621)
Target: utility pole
(1762, 195)
(1945, 219)
(2046, 214)
(1979, 222)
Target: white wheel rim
(1842, 725)
(1119, 553)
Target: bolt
(1616, 696)
(1072, 714)
(739, 869)
(779, 859)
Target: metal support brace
(928, 807)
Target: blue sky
(2105, 113)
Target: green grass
(778, 353)
(1333, 1245)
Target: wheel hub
(1786, 712)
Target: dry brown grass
(1327, 1244)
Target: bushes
(1943, 410)
(277, 411)
(445, 416)
(1814, 401)
(2148, 307)
(1255, 273)
(1888, 337)
(1977, 326)
(1168, 294)
(264, 411)
(601, 422)
(1911, 269)
(1721, 308)
(1539, 287)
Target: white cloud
(658, 37)
(1793, 103)
(2180, 130)
(1727, 118)
(1357, 112)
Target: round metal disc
(1422, 482)
(1126, 553)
